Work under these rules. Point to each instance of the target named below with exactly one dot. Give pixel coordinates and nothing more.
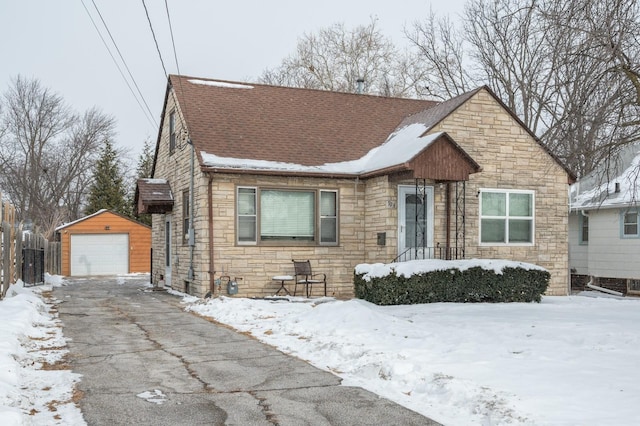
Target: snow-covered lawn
(566, 361)
(34, 387)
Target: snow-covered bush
(429, 281)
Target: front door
(167, 250)
(415, 222)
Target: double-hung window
(185, 216)
(506, 217)
(328, 217)
(172, 132)
(286, 216)
(630, 224)
(584, 229)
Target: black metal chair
(305, 276)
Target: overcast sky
(56, 42)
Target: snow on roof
(81, 219)
(588, 194)
(400, 147)
(154, 180)
(220, 84)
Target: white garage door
(99, 254)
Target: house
(104, 243)
(604, 229)
(248, 177)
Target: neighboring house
(248, 177)
(604, 226)
(104, 243)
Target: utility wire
(148, 117)
(173, 42)
(154, 39)
(124, 62)
(175, 56)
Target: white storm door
(167, 250)
(99, 254)
(415, 222)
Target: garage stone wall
(101, 226)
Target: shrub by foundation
(429, 281)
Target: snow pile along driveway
(33, 390)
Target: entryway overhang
(153, 196)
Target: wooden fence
(24, 255)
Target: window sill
(285, 244)
(506, 244)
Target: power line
(124, 62)
(173, 42)
(149, 117)
(154, 38)
(175, 56)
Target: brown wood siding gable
(443, 160)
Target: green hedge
(475, 284)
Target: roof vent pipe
(360, 87)
(617, 187)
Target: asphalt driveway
(145, 361)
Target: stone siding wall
(381, 217)
(176, 168)
(511, 159)
(256, 264)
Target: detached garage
(105, 243)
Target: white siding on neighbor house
(578, 253)
(610, 255)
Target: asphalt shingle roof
(293, 125)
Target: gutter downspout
(602, 289)
(212, 272)
(192, 239)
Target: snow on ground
(33, 388)
(566, 361)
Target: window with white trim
(286, 215)
(630, 224)
(247, 215)
(328, 217)
(507, 217)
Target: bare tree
(598, 102)
(442, 70)
(336, 57)
(565, 67)
(47, 153)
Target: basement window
(633, 286)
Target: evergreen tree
(143, 170)
(108, 189)
(145, 161)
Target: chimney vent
(617, 187)
(360, 87)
